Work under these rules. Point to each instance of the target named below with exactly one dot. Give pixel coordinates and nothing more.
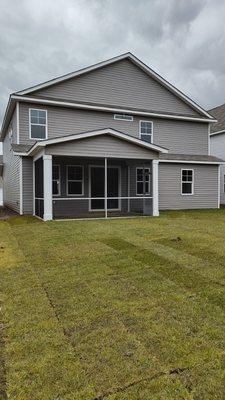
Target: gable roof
(219, 113)
(137, 62)
(107, 131)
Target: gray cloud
(182, 40)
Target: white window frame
(59, 166)
(148, 134)
(74, 180)
(122, 117)
(149, 183)
(192, 182)
(46, 124)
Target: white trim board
(191, 162)
(107, 109)
(137, 62)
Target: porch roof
(41, 145)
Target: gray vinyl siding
(11, 176)
(217, 148)
(122, 84)
(101, 146)
(205, 187)
(27, 168)
(184, 137)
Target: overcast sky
(183, 40)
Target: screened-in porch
(94, 187)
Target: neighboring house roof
(107, 131)
(190, 158)
(219, 114)
(21, 148)
(26, 95)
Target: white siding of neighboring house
(1, 190)
(217, 148)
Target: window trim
(59, 166)
(192, 182)
(223, 183)
(74, 180)
(149, 183)
(149, 134)
(120, 117)
(46, 124)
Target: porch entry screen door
(98, 187)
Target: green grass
(120, 310)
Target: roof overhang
(217, 133)
(38, 146)
(52, 102)
(192, 162)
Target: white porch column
(155, 188)
(47, 171)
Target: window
(56, 180)
(143, 181)
(187, 181)
(38, 124)
(146, 131)
(123, 117)
(75, 184)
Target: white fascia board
(108, 109)
(192, 162)
(109, 131)
(138, 62)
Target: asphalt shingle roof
(219, 114)
(189, 157)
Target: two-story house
(113, 139)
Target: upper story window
(38, 124)
(123, 117)
(146, 131)
(187, 181)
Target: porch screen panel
(97, 187)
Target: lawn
(120, 309)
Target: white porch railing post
(106, 187)
(47, 171)
(155, 188)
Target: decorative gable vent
(124, 117)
